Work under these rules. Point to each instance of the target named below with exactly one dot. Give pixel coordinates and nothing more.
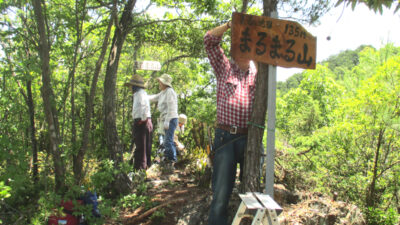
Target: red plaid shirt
(235, 88)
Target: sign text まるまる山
(148, 65)
(273, 41)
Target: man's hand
(220, 30)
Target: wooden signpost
(272, 41)
(148, 65)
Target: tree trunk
(48, 98)
(31, 107)
(251, 175)
(121, 183)
(78, 158)
(244, 6)
(79, 15)
(371, 193)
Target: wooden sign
(272, 41)
(148, 65)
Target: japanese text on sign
(273, 41)
(148, 65)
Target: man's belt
(232, 129)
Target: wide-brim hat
(136, 80)
(165, 79)
(182, 118)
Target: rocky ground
(181, 200)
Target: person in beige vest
(182, 119)
(167, 104)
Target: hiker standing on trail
(235, 96)
(182, 119)
(142, 125)
(168, 107)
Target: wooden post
(270, 160)
(251, 175)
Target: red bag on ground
(68, 219)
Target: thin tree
(48, 97)
(78, 157)
(121, 183)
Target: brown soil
(179, 190)
(171, 192)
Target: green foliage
(344, 62)
(158, 216)
(306, 11)
(375, 5)
(329, 120)
(47, 203)
(133, 201)
(104, 176)
(196, 6)
(309, 106)
(20, 197)
(4, 191)
(378, 216)
(343, 136)
(291, 83)
(199, 164)
(139, 182)
(107, 209)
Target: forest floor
(180, 198)
(171, 191)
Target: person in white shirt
(142, 125)
(168, 107)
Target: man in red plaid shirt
(235, 96)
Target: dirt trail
(171, 192)
(179, 192)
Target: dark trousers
(229, 151)
(143, 136)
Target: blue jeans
(229, 150)
(170, 149)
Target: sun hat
(165, 79)
(136, 80)
(182, 118)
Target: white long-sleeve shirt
(167, 104)
(141, 105)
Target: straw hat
(165, 79)
(136, 80)
(182, 118)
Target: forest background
(65, 115)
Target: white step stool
(267, 209)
